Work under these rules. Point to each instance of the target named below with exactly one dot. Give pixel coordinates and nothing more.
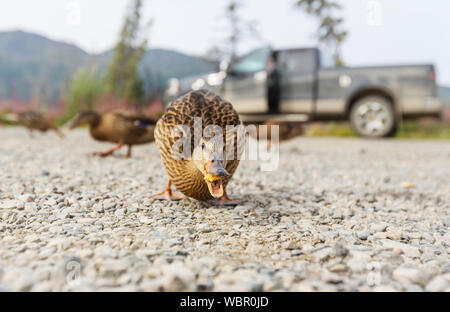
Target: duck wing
(34, 120)
(135, 128)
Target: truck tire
(373, 117)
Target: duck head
(83, 118)
(208, 159)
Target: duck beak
(216, 168)
(215, 172)
(70, 125)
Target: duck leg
(167, 194)
(224, 200)
(110, 151)
(269, 144)
(129, 151)
(59, 133)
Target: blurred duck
(121, 128)
(32, 121)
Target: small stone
(330, 277)
(11, 204)
(27, 198)
(241, 209)
(104, 251)
(98, 207)
(65, 213)
(132, 209)
(45, 173)
(408, 250)
(293, 245)
(378, 227)
(337, 268)
(412, 275)
(323, 254)
(148, 252)
(363, 235)
(340, 250)
(178, 278)
(30, 207)
(47, 252)
(394, 233)
(145, 220)
(356, 265)
(113, 267)
(86, 220)
(406, 184)
(438, 283)
(204, 228)
(120, 213)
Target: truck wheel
(373, 116)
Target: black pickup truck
(373, 98)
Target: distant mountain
(158, 65)
(33, 66)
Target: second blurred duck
(122, 128)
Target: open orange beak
(215, 172)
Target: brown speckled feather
(214, 111)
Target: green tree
(329, 30)
(122, 77)
(239, 29)
(85, 89)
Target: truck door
(298, 69)
(245, 85)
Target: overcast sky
(380, 31)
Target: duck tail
(11, 117)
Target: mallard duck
(117, 127)
(33, 121)
(204, 173)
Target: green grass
(417, 130)
(336, 129)
(410, 129)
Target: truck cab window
(326, 60)
(297, 62)
(251, 63)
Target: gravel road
(338, 215)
